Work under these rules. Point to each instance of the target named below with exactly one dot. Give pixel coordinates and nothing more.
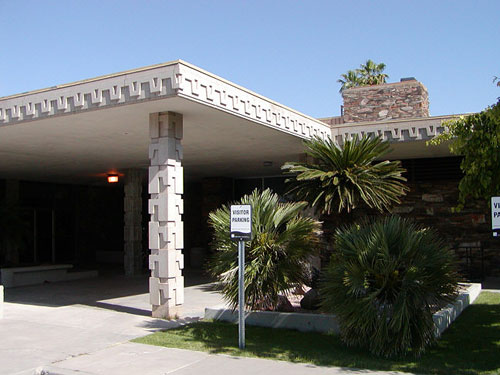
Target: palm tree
(340, 178)
(349, 80)
(384, 281)
(276, 257)
(371, 73)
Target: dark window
(246, 186)
(432, 169)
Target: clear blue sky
(290, 51)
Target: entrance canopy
(81, 131)
(178, 122)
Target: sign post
(241, 230)
(495, 216)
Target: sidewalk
(131, 358)
(84, 327)
(49, 323)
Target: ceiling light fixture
(112, 178)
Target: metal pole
(241, 294)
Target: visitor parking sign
(241, 222)
(495, 216)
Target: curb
(304, 322)
(444, 317)
(328, 322)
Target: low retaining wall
(299, 321)
(328, 323)
(444, 317)
(23, 276)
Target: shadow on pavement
(110, 291)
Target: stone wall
(431, 203)
(407, 99)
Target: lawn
(470, 346)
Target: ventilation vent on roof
(408, 79)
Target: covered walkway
(166, 131)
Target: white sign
(495, 215)
(241, 222)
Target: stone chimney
(405, 99)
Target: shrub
(384, 282)
(275, 258)
(341, 178)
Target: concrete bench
(21, 276)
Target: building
(181, 141)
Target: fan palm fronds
(340, 178)
(275, 258)
(384, 282)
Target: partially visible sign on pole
(241, 222)
(495, 216)
(241, 231)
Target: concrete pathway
(84, 327)
(131, 358)
(53, 322)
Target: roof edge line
(235, 85)
(88, 80)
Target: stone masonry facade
(391, 101)
(430, 205)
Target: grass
(470, 346)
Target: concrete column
(132, 233)
(166, 232)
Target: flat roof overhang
(78, 132)
(408, 137)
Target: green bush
(384, 282)
(342, 178)
(275, 258)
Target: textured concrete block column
(166, 234)
(132, 203)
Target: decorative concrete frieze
(201, 86)
(129, 87)
(174, 79)
(404, 130)
(166, 234)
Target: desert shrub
(384, 282)
(275, 258)
(341, 178)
